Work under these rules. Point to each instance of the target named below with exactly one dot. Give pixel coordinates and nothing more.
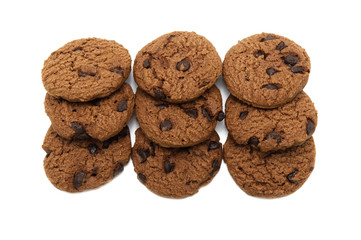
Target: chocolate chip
(269, 37)
(122, 106)
(192, 112)
(243, 115)
(168, 166)
(215, 167)
(254, 141)
(271, 71)
(117, 70)
(80, 133)
(290, 60)
(162, 105)
(166, 125)
(297, 69)
(170, 37)
(220, 116)
(292, 175)
(79, 179)
(192, 181)
(146, 63)
(107, 143)
(93, 148)
(158, 94)
(260, 53)
(95, 102)
(143, 154)
(213, 145)
(152, 149)
(281, 46)
(275, 136)
(183, 65)
(207, 113)
(271, 86)
(310, 127)
(142, 178)
(311, 168)
(48, 153)
(118, 169)
(94, 172)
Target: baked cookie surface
(179, 125)
(266, 70)
(99, 119)
(86, 69)
(177, 67)
(271, 129)
(79, 165)
(176, 172)
(269, 175)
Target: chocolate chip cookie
(79, 165)
(179, 125)
(177, 67)
(271, 129)
(86, 69)
(269, 175)
(266, 70)
(100, 118)
(176, 172)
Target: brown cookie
(86, 69)
(177, 67)
(266, 70)
(271, 129)
(177, 172)
(179, 125)
(269, 175)
(100, 118)
(79, 165)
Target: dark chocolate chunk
(260, 53)
(271, 86)
(166, 125)
(183, 65)
(143, 154)
(271, 71)
(80, 133)
(168, 166)
(243, 115)
(79, 179)
(213, 145)
(310, 127)
(281, 46)
(274, 135)
(48, 154)
(297, 69)
(254, 141)
(215, 167)
(122, 106)
(142, 178)
(93, 148)
(162, 105)
(269, 37)
(118, 169)
(146, 63)
(170, 37)
(207, 113)
(152, 149)
(220, 116)
(192, 112)
(290, 60)
(292, 175)
(158, 94)
(117, 70)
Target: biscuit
(79, 165)
(100, 118)
(179, 125)
(176, 172)
(266, 70)
(86, 69)
(269, 175)
(271, 129)
(177, 67)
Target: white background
(327, 206)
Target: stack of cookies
(177, 150)
(89, 106)
(270, 151)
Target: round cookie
(271, 129)
(177, 172)
(266, 70)
(177, 67)
(100, 118)
(79, 165)
(269, 175)
(86, 69)
(179, 125)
